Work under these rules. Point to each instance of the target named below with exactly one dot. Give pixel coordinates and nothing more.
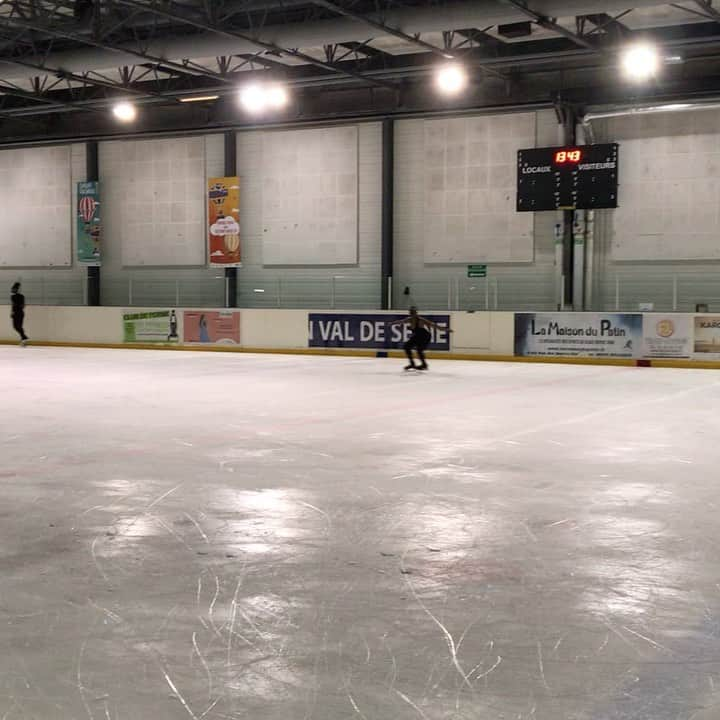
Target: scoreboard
(567, 178)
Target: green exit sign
(477, 271)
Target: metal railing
(625, 289)
(331, 293)
(661, 291)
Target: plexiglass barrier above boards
(626, 289)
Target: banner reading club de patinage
(609, 335)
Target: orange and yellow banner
(224, 221)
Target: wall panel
(36, 207)
(310, 196)
(310, 285)
(441, 281)
(154, 200)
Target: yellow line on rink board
(343, 352)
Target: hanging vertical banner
(89, 228)
(224, 221)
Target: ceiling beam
(164, 10)
(385, 29)
(550, 24)
(168, 66)
(608, 24)
(707, 6)
(447, 54)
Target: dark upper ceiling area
(64, 64)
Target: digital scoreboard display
(567, 178)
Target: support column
(92, 173)
(387, 245)
(231, 274)
(568, 119)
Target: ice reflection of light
(454, 542)
(625, 493)
(267, 521)
(633, 575)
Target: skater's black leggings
(17, 320)
(418, 341)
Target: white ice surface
(192, 535)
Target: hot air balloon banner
(89, 228)
(224, 221)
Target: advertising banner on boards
(359, 330)
(224, 221)
(667, 336)
(707, 337)
(89, 229)
(214, 327)
(609, 335)
(153, 326)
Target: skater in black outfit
(420, 338)
(18, 312)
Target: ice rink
(221, 536)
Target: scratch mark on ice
(318, 510)
(487, 672)
(233, 614)
(211, 609)
(179, 696)
(355, 707)
(95, 560)
(448, 637)
(559, 522)
(541, 666)
(411, 704)
(197, 526)
(211, 707)
(163, 496)
(646, 639)
(204, 664)
(80, 686)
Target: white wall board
(310, 196)
(154, 196)
(669, 187)
(470, 167)
(36, 208)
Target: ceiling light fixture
(125, 111)
(276, 96)
(255, 98)
(451, 79)
(640, 62)
(199, 98)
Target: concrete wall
(353, 285)
(661, 244)
(47, 269)
(174, 268)
(510, 284)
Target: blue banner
(610, 335)
(350, 330)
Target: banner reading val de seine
(616, 335)
(350, 330)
